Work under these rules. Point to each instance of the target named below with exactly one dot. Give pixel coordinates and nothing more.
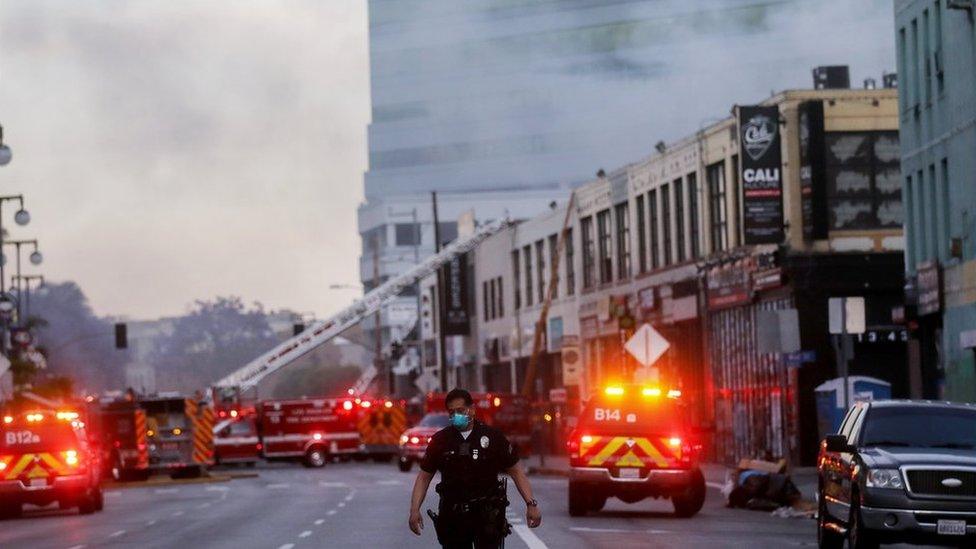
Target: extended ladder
(322, 331)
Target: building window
(553, 245)
(540, 262)
(718, 215)
(927, 53)
(407, 234)
(935, 245)
(652, 217)
(604, 246)
(913, 78)
(921, 253)
(666, 223)
(517, 280)
(902, 64)
(641, 235)
(910, 230)
(485, 298)
(693, 214)
(863, 180)
(945, 209)
(586, 226)
(623, 241)
(679, 219)
(449, 232)
(938, 56)
(527, 256)
(570, 267)
(374, 239)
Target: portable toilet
(830, 399)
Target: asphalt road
(365, 505)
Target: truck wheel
(692, 499)
(11, 510)
(315, 457)
(99, 499)
(578, 500)
(86, 505)
(405, 465)
(857, 536)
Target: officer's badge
(484, 442)
(474, 454)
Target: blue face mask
(460, 421)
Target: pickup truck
(899, 471)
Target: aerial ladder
(323, 331)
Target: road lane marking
(112, 493)
(389, 482)
(116, 534)
(528, 537)
(342, 504)
(305, 534)
(325, 484)
(349, 497)
(150, 523)
(77, 547)
(216, 488)
(332, 512)
(203, 505)
(277, 486)
(166, 490)
(287, 546)
(319, 521)
(177, 513)
(618, 530)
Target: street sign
(846, 315)
(427, 382)
(558, 396)
(647, 345)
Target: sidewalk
(805, 478)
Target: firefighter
(470, 456)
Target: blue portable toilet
(830, 399)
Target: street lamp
(5, 153)
(22, 218)
(35, 258)
(26, 279)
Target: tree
(77, 343)
(212, 340)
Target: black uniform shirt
(469, 467)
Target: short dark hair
(456, 394)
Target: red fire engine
(310, 430)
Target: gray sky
(172, 151)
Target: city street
(365, 505)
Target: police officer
(469, 455)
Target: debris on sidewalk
(762, 485)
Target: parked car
(899, 471)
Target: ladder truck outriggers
(228, 390)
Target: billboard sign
(761, 174)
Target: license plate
(38, 482)
(951, 527)
(627, 472)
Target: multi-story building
(704, 247)
(503, 106)
(935, 43)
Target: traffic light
(121, 336)
(297, 328)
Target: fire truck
(46, 456)
(635, 442)
(167, 433)
(227, 391)
(312, 431)
(309, 430)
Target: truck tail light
(258, 446)
(71, 458)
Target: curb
(160, 480)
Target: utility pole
(441, 305)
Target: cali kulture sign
(761, 174)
